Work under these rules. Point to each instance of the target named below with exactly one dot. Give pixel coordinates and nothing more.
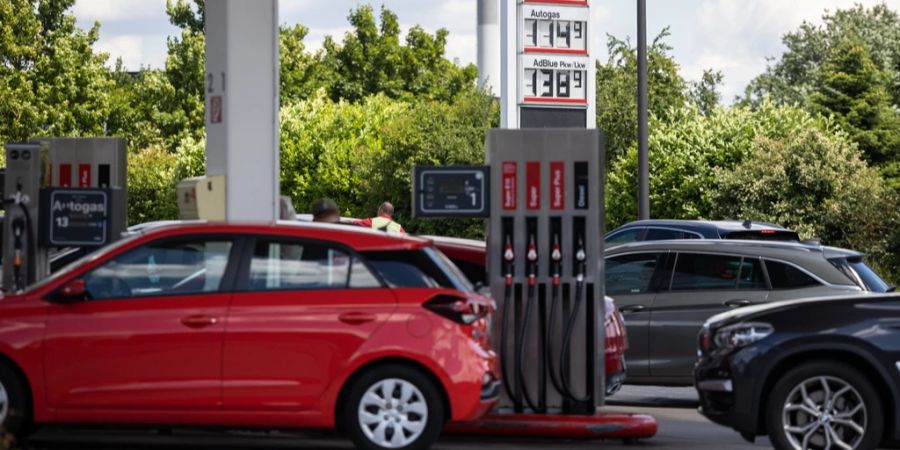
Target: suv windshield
(861, 274)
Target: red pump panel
(533, 184)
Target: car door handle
(632, 309)
(737, 303)
(199, 321)
(356, 318)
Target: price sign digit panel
(553, 80)
(554, 30)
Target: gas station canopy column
(242, 103)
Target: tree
(302, 73)
(687, 151)
(817, 185)
(851, 87)
(371, 60)
(617, 85)
(790, 79)
(51, 81)
(705, 93)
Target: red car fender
(329, 401)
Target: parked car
(663, 229)
(812, 374)
(469, 255)
(667, 289)
(279, 326)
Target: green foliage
(151, 185)
(153, 174)
(301, 72)
(818, 185)
(851, 88)
(51, 82)
(686, 152)
(705, 93)
(371, 60)
(617, 84)
(791, 78)
(361, 154)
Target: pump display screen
(453, 191)
(554, 80)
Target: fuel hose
(532, 258)
(581, 268)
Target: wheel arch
(849, 354)
(345, 388)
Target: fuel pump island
(542, 190)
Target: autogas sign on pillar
(547, 69)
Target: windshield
(71, 267)
(861, 274)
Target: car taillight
(460, 310)
(767, 232)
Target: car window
(861, 274)
(409, 269)
(786, 276)
(751, 275)
(284, 265)
(631, 274)
(661, 234)
(624, 237)
(167, 267)
(705, 272)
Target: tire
(374, 423)
(800, 401)
(15, 410)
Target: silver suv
(667, 289)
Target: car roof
(357, 238)
(711, 226)
(738, 245)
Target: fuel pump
(547, 203)
(23, 262)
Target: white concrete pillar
(242, 80)
(489, 45)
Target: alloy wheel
(824, 413)
(393, 413)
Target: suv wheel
(393, 407)
(824, 405)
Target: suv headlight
(741, 335)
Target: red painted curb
(599, 426)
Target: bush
(685, 153)
(151, 185)
(817, 185)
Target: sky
(732, 36)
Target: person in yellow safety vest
(384, 221)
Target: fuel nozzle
(509, 258)
(556, 257)
(581, 259)
(532, 258)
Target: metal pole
(643, 153)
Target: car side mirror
(74, 290)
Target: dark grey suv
(667, 289)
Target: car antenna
(747, 224)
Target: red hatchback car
(272, 326)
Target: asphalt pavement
(680, 427)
